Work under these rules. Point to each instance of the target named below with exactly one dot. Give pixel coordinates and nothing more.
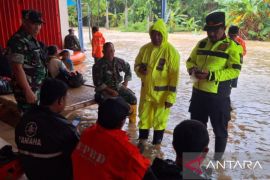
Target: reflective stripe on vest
(45, 156)
(213, 53)
(236, 66)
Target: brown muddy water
(249, 128)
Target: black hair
(64, 51)
(190, 136)
(95, 29)
(106, 45)
(51, 91)
(233, 30)
(52, 50)
(113, 112)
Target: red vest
(242, 43)
(97, 45)
(107, 154)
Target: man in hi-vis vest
(214, 62)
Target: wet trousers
(153, 115)
(204, 105)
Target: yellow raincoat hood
(160, 26)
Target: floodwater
(249, 128)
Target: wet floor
(249, 128)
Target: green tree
(72, 16)
(252, 16)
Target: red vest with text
(107, 154)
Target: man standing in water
(97, 43)
(157, 65)
(27, 58)
(214, 61)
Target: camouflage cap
(32, 15)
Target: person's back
(190, 141)
(54, 65)
(97, 43)
(104, 151)
(234, 35)
(115, 157)
(44, 138)
(71, 41)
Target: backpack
(75, 80)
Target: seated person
(65, 57)
(55, 65)
(109, 82)
(190, 141)
(71, 41)
(104, 150)
(44, 138)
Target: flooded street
(249, 128)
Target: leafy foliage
(252, 16)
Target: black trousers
(205, 105)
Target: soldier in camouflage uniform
(27, 58)
(71, 41)
(109, 82)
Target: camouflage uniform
(107, 73)
(72, 42)
(26, 50)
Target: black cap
(233, 30)
(112, 112)
(214, 21)
(32, 15)
(71, 29)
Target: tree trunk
(116, 20)
(107, 24)
(148, 22)
(126, 15)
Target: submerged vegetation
(252, 16)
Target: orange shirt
(242, 43)
(107, 154)
(97, 45)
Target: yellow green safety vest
(223, 61)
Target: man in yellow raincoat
(157, 65)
